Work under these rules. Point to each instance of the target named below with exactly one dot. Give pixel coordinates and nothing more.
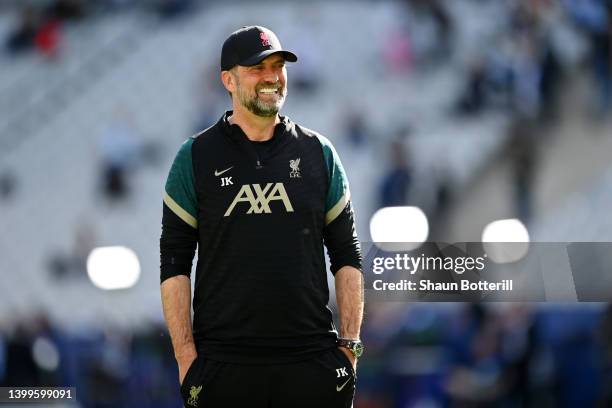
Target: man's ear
(229, 82)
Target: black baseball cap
(249, 46)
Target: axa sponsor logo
(259, 198)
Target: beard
(258, 106)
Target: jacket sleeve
(179, 234)
(339, 234)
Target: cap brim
(257, 58)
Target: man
(260, 195)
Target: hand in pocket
(184, 366)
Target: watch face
(357, 349)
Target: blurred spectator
(169, 9)
(397, 51)
(550, 84)
(356, 130)
(473, 98)
(119, 147)
(527, 77)
(45, 351)
(65, 10)
(35, 30)
(109, 370)
(475, 377)
(48, 38)
(74, 262)
(8, 184)
(595, 18)
(396, 183)
(602, 61)
(526, 373)
(523, 151)
(152, 368)
(435, 11)
(522, 71)
(442, 182)
(21, 369)
(22, 37)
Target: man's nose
(270, 75)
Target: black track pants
(327, 381)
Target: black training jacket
(259, 213)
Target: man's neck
(256, 128)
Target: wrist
(351, 338)
(186, 355)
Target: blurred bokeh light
(112, 268)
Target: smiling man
(260, 195)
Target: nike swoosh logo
(218, 173)
(340, 387)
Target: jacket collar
(235, 131)
(282, 136)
